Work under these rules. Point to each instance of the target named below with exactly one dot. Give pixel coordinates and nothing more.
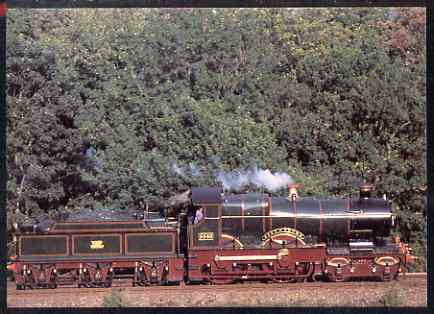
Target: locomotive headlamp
(28, 271)
(271, 264)
(84, 270)
(234, 264)
(166, 268)
(140, 268)
(54, 270)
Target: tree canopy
(103, 105)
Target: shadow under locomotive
(221, 239)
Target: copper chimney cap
(292, 191)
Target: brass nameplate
(96, 244)
(206, 236)
(283, 231)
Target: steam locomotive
(220, 239)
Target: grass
(115, 299)
(390, 298)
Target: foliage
(103, 103)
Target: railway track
(126, 285)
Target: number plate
(204, 236)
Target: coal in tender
(87, 214)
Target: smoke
(189, 170)
(392, 14)
(179, 199)
(195, 172)
(178, 170)
(235, 180)
(90, 161)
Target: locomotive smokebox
(293, 191)
(366, 190)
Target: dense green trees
(104, 105)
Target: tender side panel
(43, 245)
(149, 243)
(96, 244)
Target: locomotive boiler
(221, 238)
(253, 215)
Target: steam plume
(186, 171)
(235, 180)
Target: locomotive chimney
(366, 190)
(292, 191)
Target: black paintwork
(139, 243)
(82, 244)
(210, 195)
(311, 216)
(40, 245)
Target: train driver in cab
(199, 215)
